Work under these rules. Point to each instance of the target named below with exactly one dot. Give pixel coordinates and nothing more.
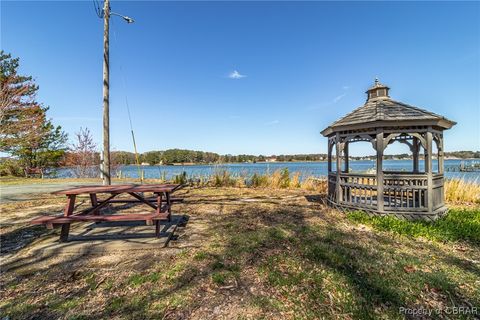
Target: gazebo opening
(381, 121)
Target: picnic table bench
(32, 172)
(161, 203)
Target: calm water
(318, 169)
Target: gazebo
(415, 194)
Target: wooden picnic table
(161, 203)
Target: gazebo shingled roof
(382, 121)
(381, 110)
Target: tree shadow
(13, 241)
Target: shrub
(280, 179)
(181, 178)
(11, 167)
(259, 181)
(223, 178)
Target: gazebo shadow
(317, 198)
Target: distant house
(271, 159)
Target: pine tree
(25, 131)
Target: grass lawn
(248, 254)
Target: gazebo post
(415, 152)
(345, 152)
(440, 154)
(428, 170)
(339, 167)
(329, 157)
(380, 148)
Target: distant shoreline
(273, 162)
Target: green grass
(457, 225)
(219, 278)
(139, 279)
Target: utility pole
(106, 94)
(105, 14)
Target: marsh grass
(461, 191)
(456, 191)
(279, 179)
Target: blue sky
(247, 77)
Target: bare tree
(83, 155)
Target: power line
(98, 10)
(137, 160)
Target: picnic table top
(119, 188)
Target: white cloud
(236, 75)
(271, 123)
(338, 98)
(332, 102)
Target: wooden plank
(95, 189)
(94, 218)
(94, 201)
(156, 188)
(121, 188)
(98, 206)
(170, 231)
(142, 199)
(151, 199)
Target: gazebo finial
(378, 90)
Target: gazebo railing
(405, 191)
(438, 190)
(332, 183)
(401, 191)
(359, 189)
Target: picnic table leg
(94, 201)
(67, 212)
(159, 210)
(157, 228)
(64, 232)
(169, 206)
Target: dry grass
(279, 179)
(460, 191)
